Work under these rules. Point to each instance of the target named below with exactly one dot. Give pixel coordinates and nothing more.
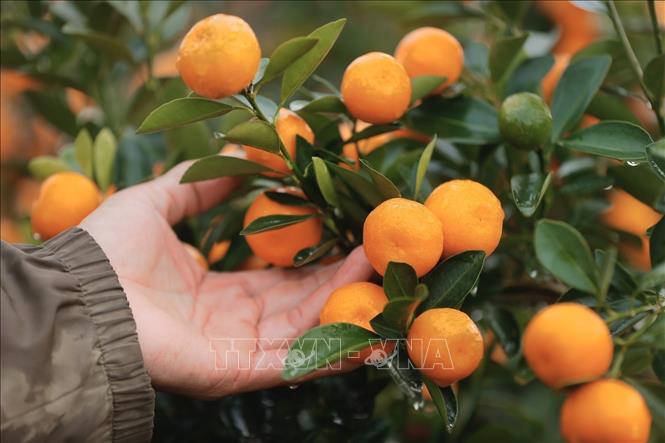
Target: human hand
(185, 316)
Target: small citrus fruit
(431, 51)
(567, 343)
(288, 125)
(471, 216)
(376, 88)
(357, 303)
(219, 56)
(605, 411)
(218, 251)
(64, 200)
(525, 121)
(403, 231)
(445, 345)
(279, 246)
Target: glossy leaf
(657, 243)
(445, 401)
(301, 69)
(324, 180)
(614, 139)
(313, 253)
(383, 184)
(528, 75)
(528, 191)
(504, 325)
(577, 86)
(271, 222)
(421, 169)
(83, 152)
(398, 312)
(656, 157)
(44, 166)
(181, 112)
(399, 280)
(323, 346)
(104, 150)
(286, 198)
(109, 45)
(424, 85)
(328, 103)
(503, 55)
(462, 119)
(255, 133)
(364, 188)
(451, 280)
(285, 54)
(654, 76)
(655, 278)
(562, 250)
(640, 182)
(385, 328)
(216, 166)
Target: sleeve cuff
(106, 303)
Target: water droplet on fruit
(294, 386)
(608, 188)
(632, 163)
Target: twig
(654, 26)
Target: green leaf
(528, 191)
(657, 243)
(108, 44)
(445, 401)
(528, 75)
(216, 166)
(383, 184)
(104, 150)
(271, 222)
(562, 250)
(640, 182)
(327, 103)
(652, 279)
(398, 312)
(286, 198)
(462, 119)
(586, 184)
(44, 166)
(654, 76)
(503, 55)
(606, 275)
(313, 253)
(451, 280)
(358, 184)
(658, 365)
(577, 86)
(255, 133)
(421, 169)
(181, 112)
(504, 325)
(614, 139)
(84, 153)
(323, 346)
(131, 11)
(285, 54)
(385, 328)
(424, 85)
(300, 70)
(622, 281)
(324, 180)
(399, 280)
(656, 157)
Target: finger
(306, 315)
(175, 200)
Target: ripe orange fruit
(552, 78)
(445, 345)
(279, 246)
(577, 26)
(196, 255)
(376, 88)
(471, 216)
(64, 200)
(288, 125)
(431, 51)
(605, 411)
(219, 56)
(357, 303)
(626, 213)
(403, 231)
(218, 251)
(567, 343)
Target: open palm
(202, 333)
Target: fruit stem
(252, 101)
(633, 61)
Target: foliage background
(92, 60)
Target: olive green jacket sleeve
(70, 359)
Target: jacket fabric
(71, 365)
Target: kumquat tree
(500, 165)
